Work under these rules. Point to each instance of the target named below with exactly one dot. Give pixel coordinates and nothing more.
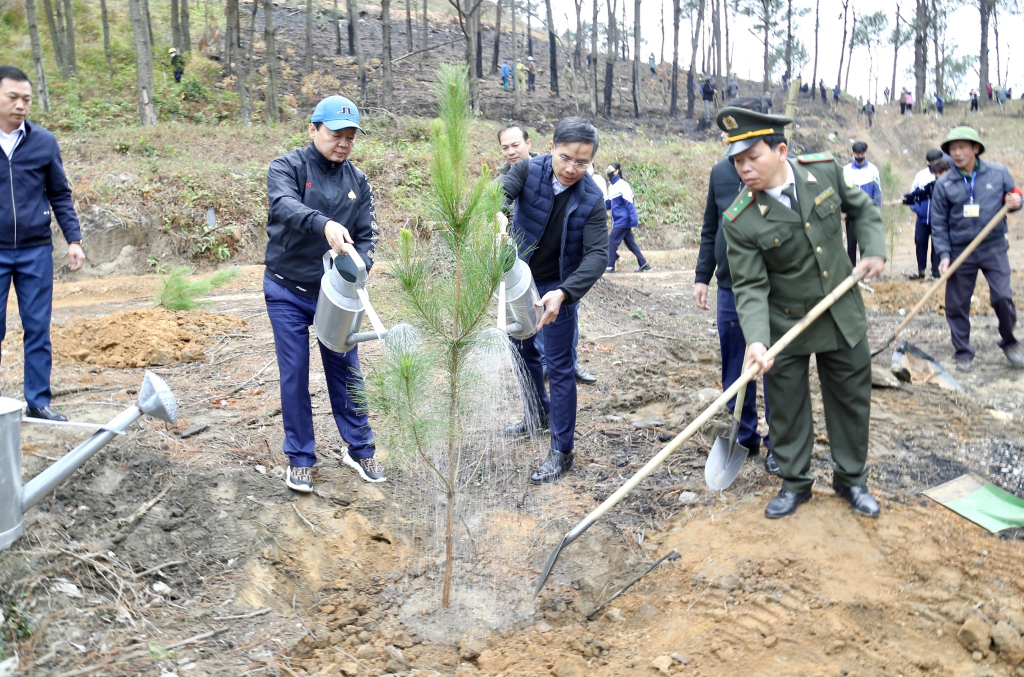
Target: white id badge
(972, 211)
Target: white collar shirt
(8, 142)
(558, 185)
(790, 181)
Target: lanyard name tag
(972, 211)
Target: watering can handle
(351, 252)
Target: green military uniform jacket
(784, 262)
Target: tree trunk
(636, 57)
(242, 79)
(230, 38)
(273, 110)
(939, 65)
(985, 8)
(515, 61)
(309, 37)
(728, 56)
(577, 56)
(56, 39)
(789, 37)
(175, 28)
(717, 24)
(337, 29)
(662, 60)
(766, 85)
(529, 30)
(553, 48)
(353, 22)
(920, 50)
(105, 20)
(895, 56)
(352, 12)
(609, 66)
(999, 59)
(385, 20)
(143, 64)
(148, 18)
(185, 23)
(70, 38)
(497, 36)
(849, 62)
(408, 24)
(479, 46)
(41, 91)
(817, 25)
(673, 109)
(842, 46)
(593, 60)
(426, 27)
(690, 77)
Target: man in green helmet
(963, 202)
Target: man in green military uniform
(786, 253)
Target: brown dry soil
(821, 593)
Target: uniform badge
(810, 178)
(351, 195)
(763, 208)
(729, 122)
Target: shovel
(732, 391)
(727, 456)
(1000, 215)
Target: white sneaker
(299, 479)
(369, 469)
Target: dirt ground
(179, 551)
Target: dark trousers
(734, 348)
(561, 405)
(959, 288)
(617, 237)
(845, 377)
(851, 243)
(31, 271)
(538, 341)
(290, 317)
(922, 234)
(177, 75)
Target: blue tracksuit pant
(558, 339)
(31, 270)
(290, 316)
(922, 235)
(734, 348)
(617, 237)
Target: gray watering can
(343, 302)
(517, 293)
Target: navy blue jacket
(305, 191)
(584, 252)
(951, 231)
(723, 187)
(33, 184)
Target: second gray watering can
(343, 303)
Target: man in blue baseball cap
(318, 201)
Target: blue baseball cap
(337, 112)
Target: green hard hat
(962, 134)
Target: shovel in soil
(1000, 215)
(730, 392)
(727, 455)
(910, 364)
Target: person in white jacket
(619, 201)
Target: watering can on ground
(343, 302)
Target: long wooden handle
(975, 243)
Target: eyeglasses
(579, 165)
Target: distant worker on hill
(620, 202)
(318, 203)
(732, 89)
(910, 102)
(869, 113)
(864, 175)
(651, 62)
(886, 93)
(766, 102)
(707, 93)
(785, 81)
(989, 89)
(521, 76)
(963, 201)
(919, 200)
(835, 94)
(506, 74)
(531, 75)
(903, 102)
(35, 190)
(821, 86)
(177, 63)
(939, 103)
(974, 101)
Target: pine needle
(179, 291)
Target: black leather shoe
(553, 467)
(544, 370)
(860, 499)
(46, 413)
(785, 504)
(526, 426)
(771, 466)
(584, 377)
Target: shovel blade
(724, 464)
(913, 365)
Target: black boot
(46, 414)
(584, 377)
(771, 466)
(785, 504)
(860, 499)
(553, 467)
(526, 426)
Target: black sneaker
(299, 479)
(609, 269)
(46, 414)
(369, 469)
(553, 467)
(644, 268)
(527, 426)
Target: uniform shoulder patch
(815, 157)
(745, 199)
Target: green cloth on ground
(982, 502)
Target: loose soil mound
(141, 338)
(893, 296)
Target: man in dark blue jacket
(559, 227)
(723, 187)
(318, 201)
(33, 186)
